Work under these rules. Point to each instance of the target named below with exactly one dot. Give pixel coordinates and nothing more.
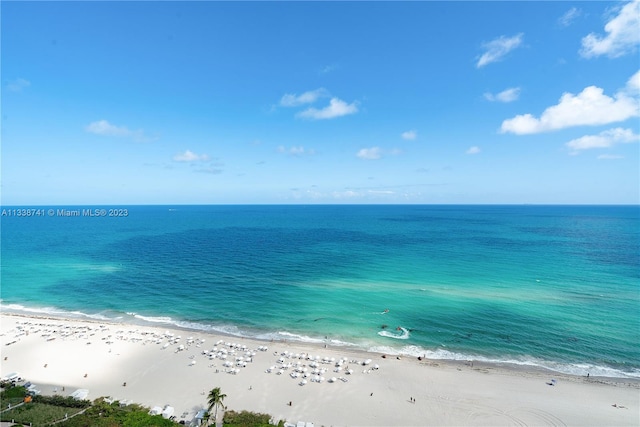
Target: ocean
(550, 286)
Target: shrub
(245, 419)
(13, 391)
(66, 401)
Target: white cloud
(569, 16)
(473, 150)
(190, 156)
(507, 95)
(104, 128)
(590, 107)
(623, 34)
(18, 84)
(309, 97)
(336, 108)
(496, 49)
(372, 153)
(604, 139)
(410, 135)
(633, 84)
(296, 150)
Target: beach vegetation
(247, 419)
(58, 400)
(37, 414)
(12, 394)
(66, 411)
(69, 412)
(106, 414)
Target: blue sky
(300, 102)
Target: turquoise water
(553, 286)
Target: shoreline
(403, 391)
(533, 365)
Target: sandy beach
(176, 367)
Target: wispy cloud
(372, 153)
(610, 157)
(328, 69)
(409, 135)
(336, 108)
(604, 139)
(104, 128)
(209, 170)
(309, 97)
(569, 16)
(473, 150)
(189, 156)
(18, 84)
(507, 95)
(622, 34)
(296, 151)
(590, 107)
(496, 49)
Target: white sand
(445, 393)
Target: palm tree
(215, 400)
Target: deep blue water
(554, 286)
